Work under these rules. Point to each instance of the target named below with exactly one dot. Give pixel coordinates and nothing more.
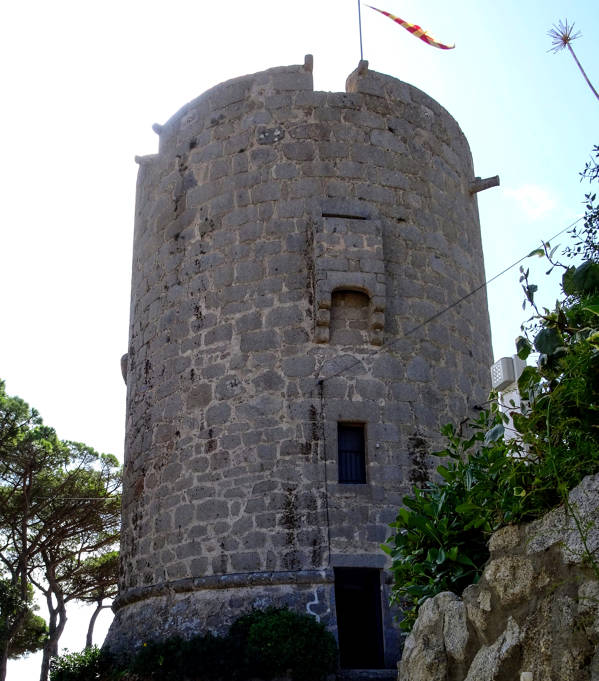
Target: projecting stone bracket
(479, 184)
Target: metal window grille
(351, 453)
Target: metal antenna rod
(360, 25)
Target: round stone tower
(293, 351)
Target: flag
(414, 30)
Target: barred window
(351, 453)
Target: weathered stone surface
(424, 655)
(535, 610)
(561, 527)
(285, 242)
(455, 630)
(511, 576)
(499, 660)
(438, 645)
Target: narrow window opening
(351, 450)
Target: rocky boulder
(534, 614)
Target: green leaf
(496, 433)
(452, 554)
(548, 340)
(538, 251)
(592, 308)
(431, 556)
(463, 558)
(466, 507)
(403, 515)
(445, 473)
(567, 283)
(523, 347)
(586, 277)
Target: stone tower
(287, 373)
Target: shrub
(88, 665)
(201, 658)
(279, 642)
(261, 644)
(440, 536)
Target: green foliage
(279, 641)
(440, 536)
(97, 577)
(90, 664)
(31, 635)
(59, 507)
(440, 540)
(261, 644)
(586, 239)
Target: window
(351, 453)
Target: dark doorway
(359, 620)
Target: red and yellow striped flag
(414, 30)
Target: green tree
(97, 581)
(59, 506)
(33, 632)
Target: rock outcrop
(533, 615)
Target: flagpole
(360, 25)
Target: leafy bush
(87, 665)
(440, 536)
(279, 641)
(261, 644)
(201, 658)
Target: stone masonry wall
(264, 199)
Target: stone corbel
(479, 184)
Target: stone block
(211, 509)
(247, 272)
(246, 561)
(298, 151)
(258, 341)
(285, 171)
(293, 81)
(217, 414)
(269, 191)
(418, 370)
(218, 334)
(290, 315)
(299, 366)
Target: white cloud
(534, 201)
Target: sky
(83, 82)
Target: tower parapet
(285, 384)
